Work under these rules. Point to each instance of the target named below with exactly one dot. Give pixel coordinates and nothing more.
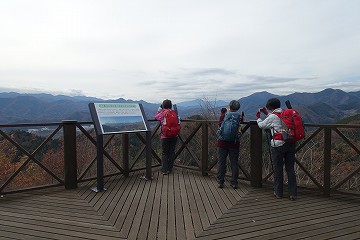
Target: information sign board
(110, 118)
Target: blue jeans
(168, 153)
(221, 164)
(284, 155)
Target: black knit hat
(167, 104)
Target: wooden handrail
(205, 161)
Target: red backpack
(170, 125)
(294, 122)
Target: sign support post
(117, 118)
(148, 175)
(99, 164)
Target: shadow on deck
(182, 205)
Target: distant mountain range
(327, 106)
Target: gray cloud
(211, 71)
(220, 49)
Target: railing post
(70, 162)
(327, 161)
(256, 155)
(204, 148)
(125, 153)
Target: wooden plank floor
(182, 205)
(261, 216)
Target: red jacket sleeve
(221, 119)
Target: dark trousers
(221, 164)
(284, 155)
(168, 153)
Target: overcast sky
(179, 49)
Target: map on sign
(118, 117)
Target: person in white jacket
(282, 153)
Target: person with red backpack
(282, 150)
(170, 128)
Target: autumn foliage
(29, 164)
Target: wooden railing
(327, 160)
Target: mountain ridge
(326, 106)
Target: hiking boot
(292, 198)
(234, 186)
(277, 196)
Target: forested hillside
(327, 106)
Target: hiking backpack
(294, 123)
(170, 126)
(229, 128)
